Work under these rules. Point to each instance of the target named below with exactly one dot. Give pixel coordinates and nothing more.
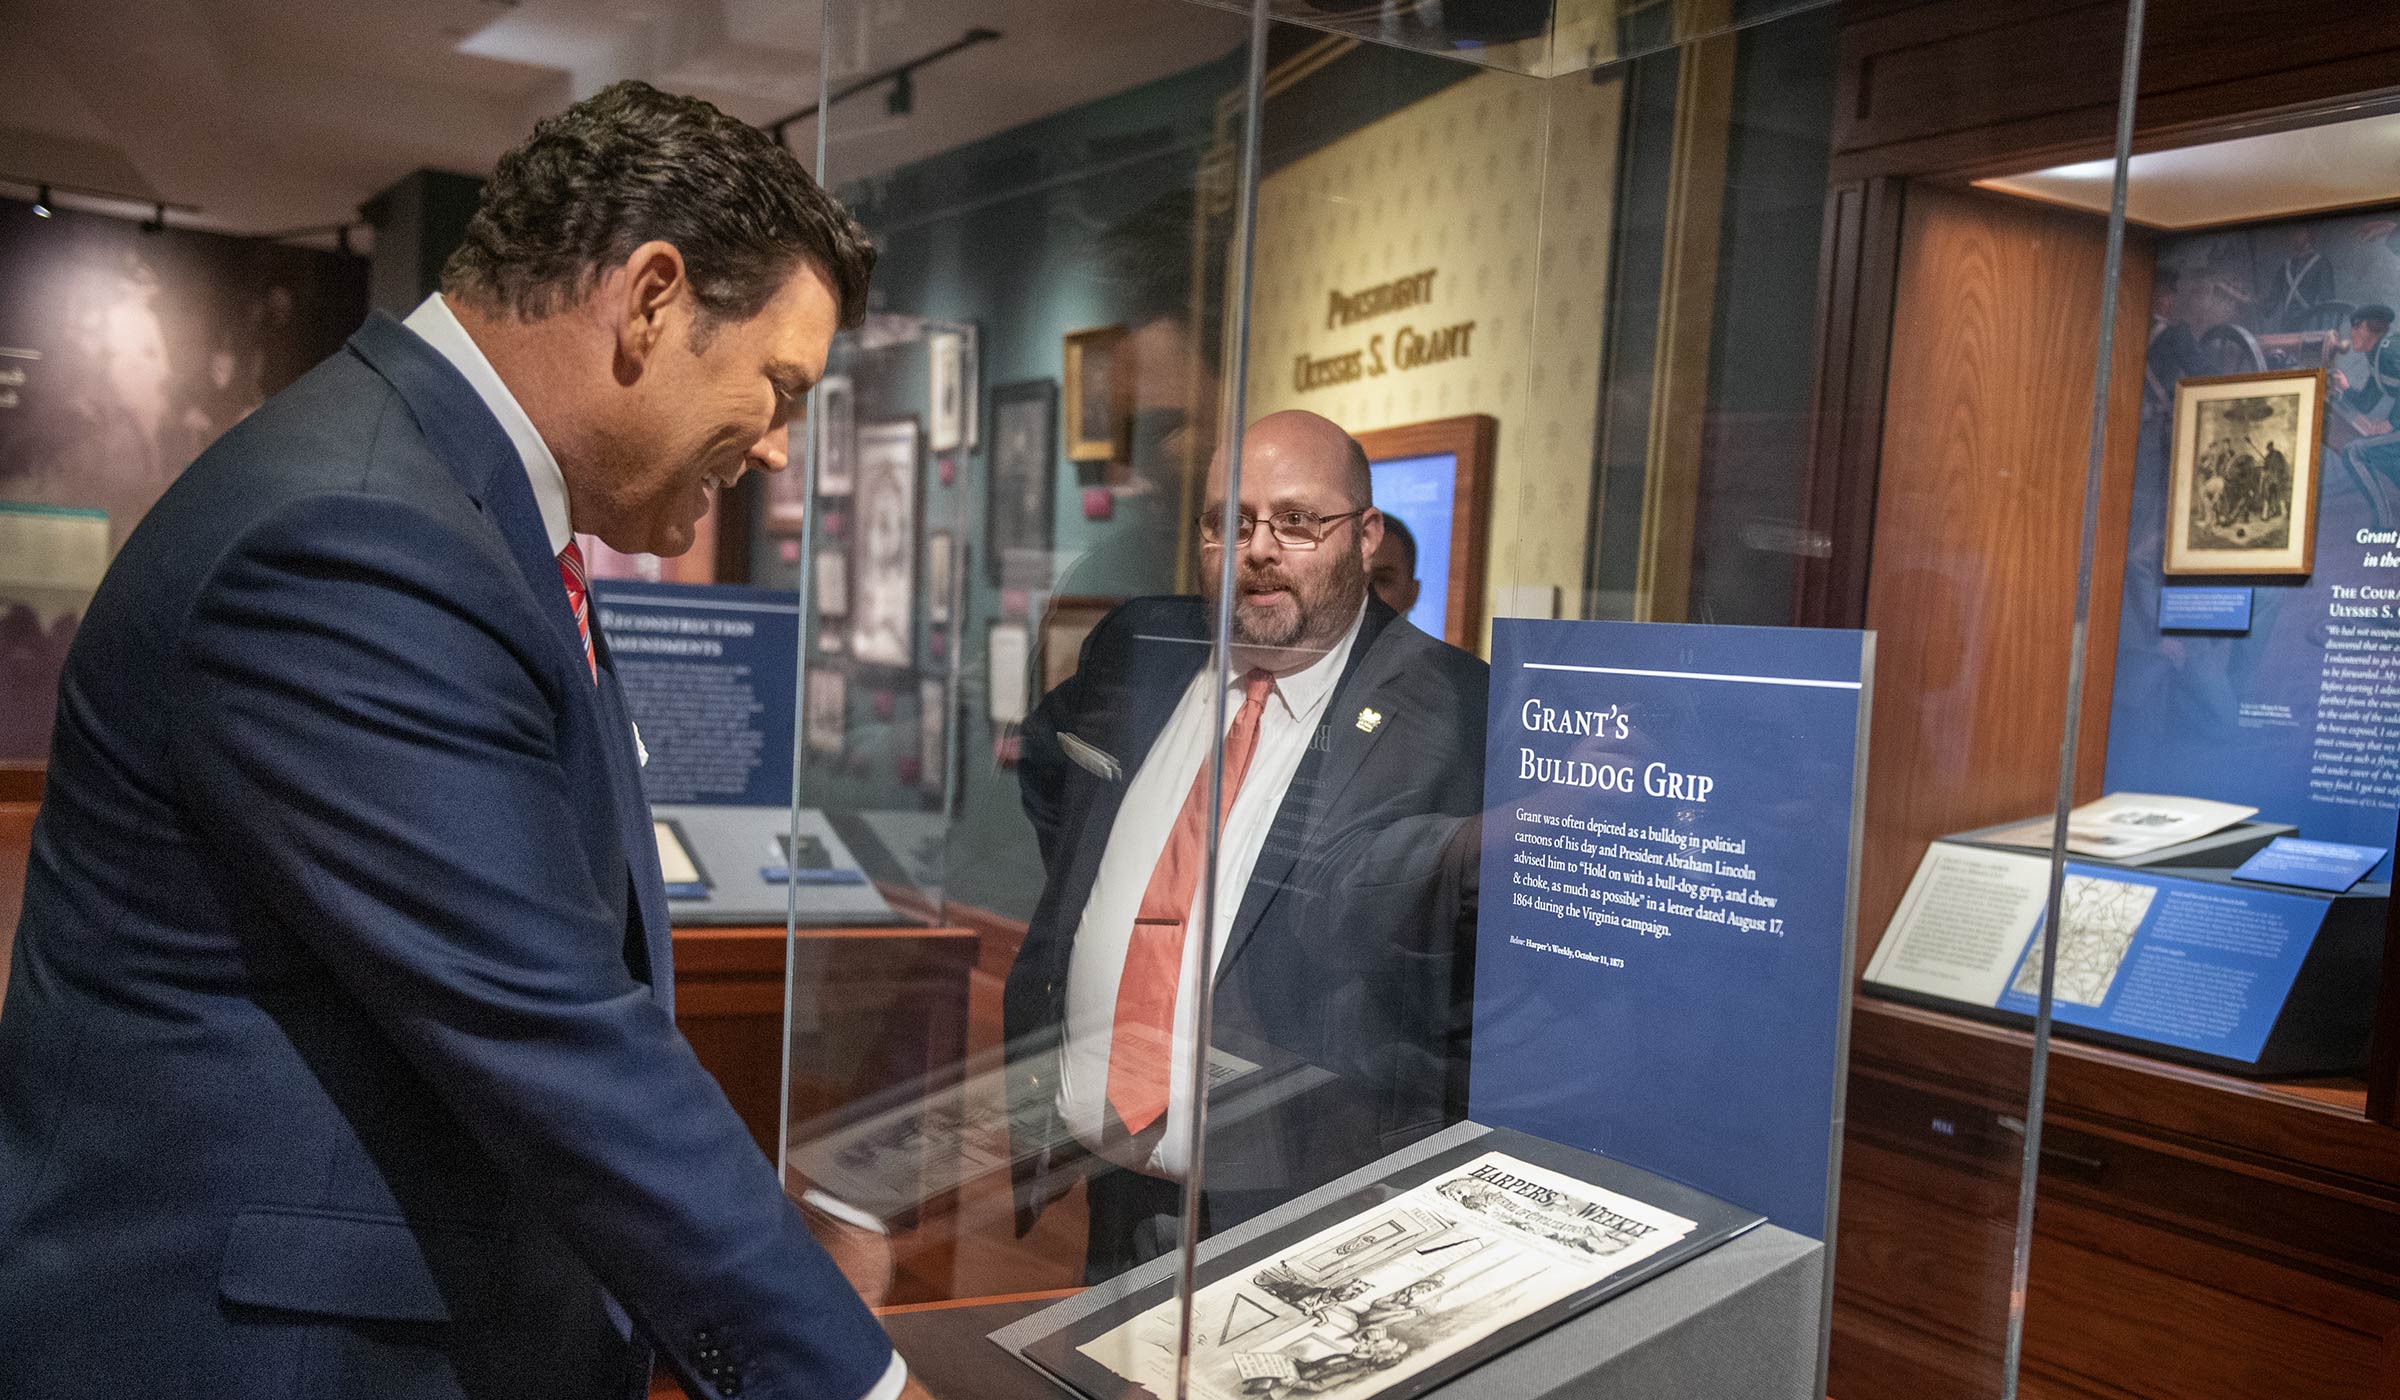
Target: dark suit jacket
(1351, 949)
(339, 1057)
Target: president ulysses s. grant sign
(1409, 346)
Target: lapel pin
(1368, 719)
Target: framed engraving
(940, 571)
(825, 722)
(883, 574)
(945, 391)
(1099, 403)
(837, 438)
(933, 732)
(1019, 521)
(1006, 657)
(2242, 478)
(833, 583)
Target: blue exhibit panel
(1661, 949)
(2197, 965)
(1422, 492)
(709, 672)
(2331, 866)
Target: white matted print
(883, 575)
(946, 391)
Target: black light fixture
(904, 93)
(157, 222)
(41, 203)
(341, 239)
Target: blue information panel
(2180, 962)
(1662, 950)
(2331, 866)
(709, 672)
(2189, 609)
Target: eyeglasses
(1293, 529)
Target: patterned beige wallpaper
(1502, 188)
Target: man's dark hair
(630, 164)
(1393, 529)
(2373, 311)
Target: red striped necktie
(1143, 1035)
(579, 597)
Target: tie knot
(1257, 684)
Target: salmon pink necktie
(579, 597)
(1138, 1059)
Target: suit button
(731, 1386)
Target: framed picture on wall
(933, 731)
(1005, 660)
(833, 581)
(939, 571)
(837, 442)
(1099, 407)
(825, 718)
(2242, 478)
(1070, 619)
(1434, 481)
(1024, 460)
(971, 378)
(945, 391)
(883, 571)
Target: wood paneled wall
(1978, 521)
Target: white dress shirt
(1136, 839)
(434, 324)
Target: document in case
(2129, 824)
(676, 864)
(1967, 915)
(1407, 1286)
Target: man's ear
(645, 297)
(1370, 535)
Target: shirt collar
(1304, 690)
(436, 325)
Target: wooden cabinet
(2195, 1236)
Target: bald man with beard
(1345, 870)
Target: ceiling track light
(157, 222)
(41, 203)
(904, 93)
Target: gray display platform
(1740, 1322)
(733, 845)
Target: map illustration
(2097, 919)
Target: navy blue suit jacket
(338, 1058)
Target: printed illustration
(1355, 1309)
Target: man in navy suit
(339, 1057)
(1345, 869)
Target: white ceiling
(276, 114)
(2333, 166)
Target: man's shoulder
(339, 430)
(1409, 651)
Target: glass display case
(1487, 648)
